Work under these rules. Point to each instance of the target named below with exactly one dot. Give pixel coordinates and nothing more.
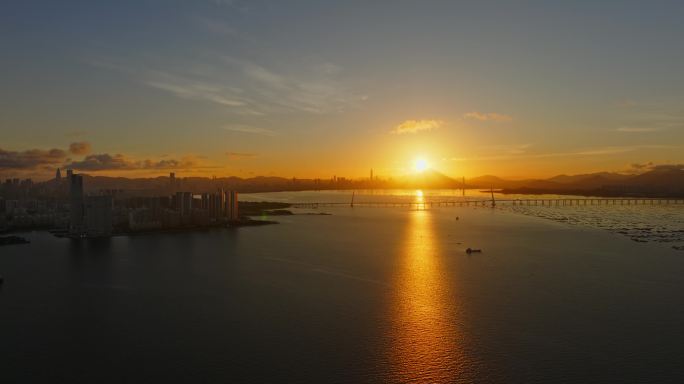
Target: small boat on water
(471, 250)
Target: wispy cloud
(641, 166)
(185, 84)
(105, 161)
(31, 159)
(415, 126)
(187, 88)
(79, 148)
(248, 88)
(250, 130)
(646, 118)
(597, 151)
(510, 149)
(240, 155)
(601, 151)
(36, 159)
(43, 160)
(119, 162)
(638, 129)
(319, 91)
(651, 166)
(488, 116)
(678, 167)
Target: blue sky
(316, 88)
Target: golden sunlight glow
(420, 200)
(420, 165)
(427, 343)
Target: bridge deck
(486, 202)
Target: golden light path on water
(427, 345)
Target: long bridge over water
(555, 202)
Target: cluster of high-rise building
(181, 209)
(220, 204)
(16, 188)
(25, 205)
(93, 216)
(66, 205)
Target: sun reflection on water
(420, 199)
(425, 334)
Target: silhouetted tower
(371, 174)
(58, 175)
(70, 173)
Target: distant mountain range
(662, 181)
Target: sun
(420, 165)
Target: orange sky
(210, 88)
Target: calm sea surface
(649, 222)
(364, 295)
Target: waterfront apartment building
(232, 212)
(217, 204)
(184, 203)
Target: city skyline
(230, 88)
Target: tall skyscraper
(70, 173)
(371, 174)
(172, 180)
(205, 201)
(76, 204)
(184, 203)
(232, 212)
(217, 204)
(58, 175)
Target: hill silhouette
(660, 181)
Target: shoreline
(248, 222)
(674, 245)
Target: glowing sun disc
(420, 165)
